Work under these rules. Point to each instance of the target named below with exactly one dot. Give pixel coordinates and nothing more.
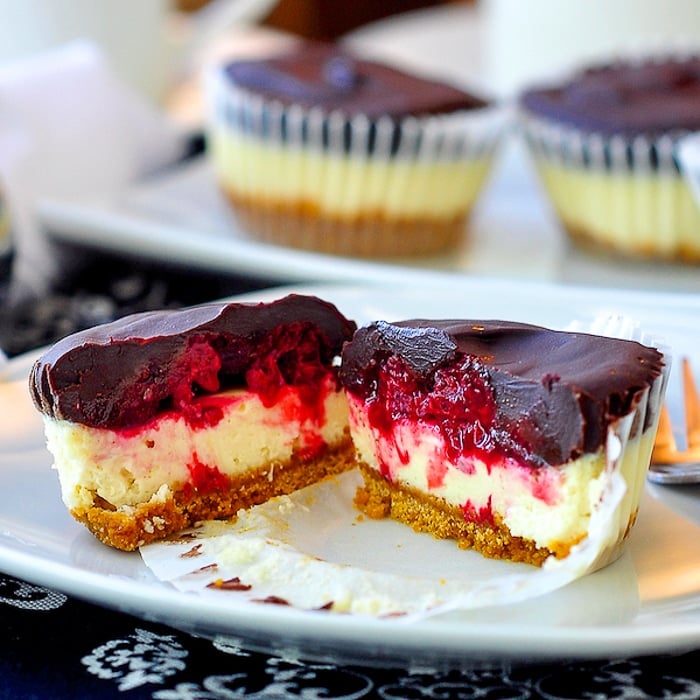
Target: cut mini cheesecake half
(499, 434)
(162, 419)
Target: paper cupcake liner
(618, 193)
(632, 437)
(265, 556)
(348, 169)
(460, 135)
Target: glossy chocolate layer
(554, 393)
(123, 373)
(330, 77)
(642, 98)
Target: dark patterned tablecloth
(55, 646)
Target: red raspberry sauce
(205, 478)
(459, 404)
(287, 372)
(287, 357)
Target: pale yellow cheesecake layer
(344, 186)
(548, 506)
(643, 214)
(124, 469)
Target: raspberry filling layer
(123, 374)
(286, 373)
(287, 356)
(457, 403)
(448, 420)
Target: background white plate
(648, 601)
(181, 217)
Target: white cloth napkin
(69, 128)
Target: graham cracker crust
(595, 244)
(367, 235)
(379, 498)
(128, 529)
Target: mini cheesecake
(498, 434)
(162, 419)
(318, 148)
(605, 143)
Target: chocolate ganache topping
(627, 98)
(541, 396)
(331, 77)
(123, 373)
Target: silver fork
(671, 464)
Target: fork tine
(692, 406)
(664, 443)
(669, 465)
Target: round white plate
(646, 602)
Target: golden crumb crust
(368, 234)
(597, 243)
(378, 498)
(128, 529)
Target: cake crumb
(371, 504)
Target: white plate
(646, 602)
(181, 217)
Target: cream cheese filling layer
(549, 506)
(645, 212)
(344, 185)
(130, 467)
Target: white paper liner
(271, 551)
(459, 135)
(617, 153)
(688, 154)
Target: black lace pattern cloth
(58, 647)
(55, 646)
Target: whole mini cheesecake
(321, 149)
(162, 419)
(498, 434)
(605, 143)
